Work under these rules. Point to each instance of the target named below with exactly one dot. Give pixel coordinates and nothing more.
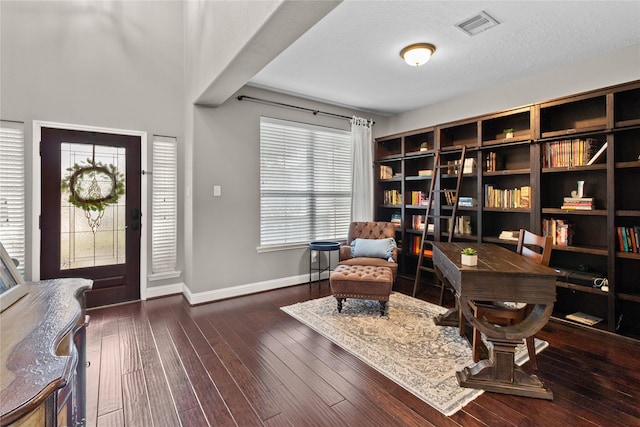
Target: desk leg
(500, 374)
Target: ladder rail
(435, 178)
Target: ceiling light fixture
(417, 54)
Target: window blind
(164, 218)
(12, 190)
(305, 182)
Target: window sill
(164, 275)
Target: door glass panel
(92, 206)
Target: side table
(321, 247)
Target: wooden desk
(501, 275)
(42, 360)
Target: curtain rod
(281, 104)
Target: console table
(43, 360)
(501, 275)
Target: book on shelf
(509, 235)
(584, 318)
(386, 172)
(560, 230)
(425, 172)
(469, 166)
(599, 154)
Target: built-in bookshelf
(564, 167)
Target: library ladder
(452, 198)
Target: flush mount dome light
(417, 54)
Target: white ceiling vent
(477, 24)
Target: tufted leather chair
(369, 230)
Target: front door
(91, 216)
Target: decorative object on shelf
(424, 146)
(417, 54)
(92, 187)
(469, 257)
(508, 133)
(580, 191)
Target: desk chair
(537, 249)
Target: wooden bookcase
(608, 116)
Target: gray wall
(226, 229)
(106, 64)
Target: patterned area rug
(406, 346)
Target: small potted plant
(469, 257)
(424, 146)
(508, 133)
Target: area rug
(405, 346)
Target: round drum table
(321, 247)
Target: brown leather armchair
(370, 230)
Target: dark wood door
(91, 214)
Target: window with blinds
(164, 217)
(305, 182)
(12, 190)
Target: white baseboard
(251, 288)
(234, 291)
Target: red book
(620, 244)
(634, 244)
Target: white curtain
(362, 170)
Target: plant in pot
(508, 133)
(424, 146)
(469, 256)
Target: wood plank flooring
(244, 362)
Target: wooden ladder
(452, 197)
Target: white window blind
(164, 219)
(12, 190)
(305, 182)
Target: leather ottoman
(361, 282)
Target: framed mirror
(12, 286)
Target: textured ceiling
(351, 57)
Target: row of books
(560, 231)
(392, 197)
(449, 197)
(629, 239)
(414, 246)
(578, 203)
(386, 172)
(493, 162)
(396, 219)
(572, 152)
(467, 202)
(462, 225)
(418, 222)
(506, 198)
(419, 198)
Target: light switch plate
(217, 191)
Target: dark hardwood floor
(244, 362)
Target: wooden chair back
(536, 248)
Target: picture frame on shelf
(12, 286)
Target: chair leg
(531, 349)
(339, 300)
